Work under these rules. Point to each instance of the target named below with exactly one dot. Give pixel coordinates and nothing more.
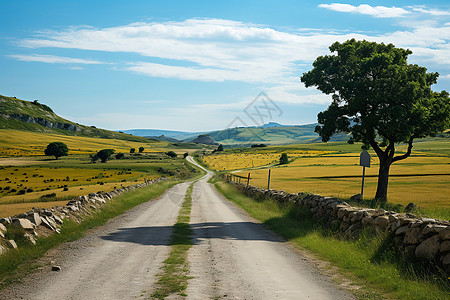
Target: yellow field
(15, 209)
(427, 180)
(236, 161)
(24, 143)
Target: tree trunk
(383, 180)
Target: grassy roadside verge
(376, 269)
(174, 278)
(15, 264)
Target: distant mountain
(204, 139)
(163, 138)
(34, 116)
(274, 124)
(156, 132)
(271, 134)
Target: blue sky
(196, 65)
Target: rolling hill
(271, 134)
(36, 117)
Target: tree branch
(375, 147)
(408, 152)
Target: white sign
(364, 159)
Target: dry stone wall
(43, 222)
(419, 238)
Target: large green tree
(379, 98)
(56, 149)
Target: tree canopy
(284, 159)
(56, 149)
(379, 99)
(105, 154)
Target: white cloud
(223, 50)
(433, 12)
(365, 9)
(54, 59)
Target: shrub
(132, 150)
(284, 159)
(119, 155)
(52, 195)
(141, 149)
(185, 155)
(171, 154)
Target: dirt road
(233, 257)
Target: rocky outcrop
(43, 122)
(43, 222)
(204, 139)
(419, 238)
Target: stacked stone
(420, 238)
(47, 221)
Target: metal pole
(362, 185)
(248, 179)
(268, 181)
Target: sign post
(364, 161)
(268, 181)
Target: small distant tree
(120, 155)
(105, 154)
(171, 154)
(56, 149)
(284, 159)
(132, 150)
(220, 148)
(141, 149)
(185, 155)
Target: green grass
(14, 264)
(370, 262)
(174, 278)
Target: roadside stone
(2, 230)
(445, 233)
(6, 220)
(47, 224)
(428, 248)
(13, 244)
(367, 221)
(357, 197)
(58, 219)
(412, 236)
(445, 246)
(35, 219)
(410, 250)
(401, 230)
(30, 238)
(431, 228)
(410, 207)
(24, 223)
(446, 259)
(56, 268)
(3, 249)
(382, 221)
